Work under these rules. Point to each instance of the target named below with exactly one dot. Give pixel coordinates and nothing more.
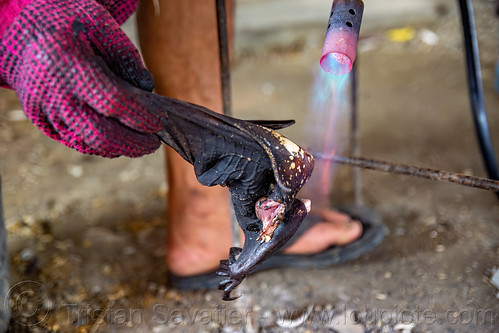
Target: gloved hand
(262, 169)
(80, 79)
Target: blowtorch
(342, 34)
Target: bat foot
(232, 279)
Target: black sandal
(372, 235)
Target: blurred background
(91, 231)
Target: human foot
(198, 221)
(335, 229)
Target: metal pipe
(354, 136)
(340, 44)
(223, 42)
(411, 170)
(4, 271)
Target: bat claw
(227, 297)
(228, 286)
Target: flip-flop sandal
(372, 235)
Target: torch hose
(476, 89)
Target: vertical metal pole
(476, 89)
(223, 43)
(354, 136)
(4, 271)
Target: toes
(333, 216)
(351, 233)
(324, 235)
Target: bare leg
(180, 47)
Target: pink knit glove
(121, 10)
(80, 79)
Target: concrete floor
(89, 232)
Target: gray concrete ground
(86, 234)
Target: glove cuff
(121, 10)
(8, 11)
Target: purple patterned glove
(80, 79)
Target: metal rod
(4, 271)
(476, 89)
(354, 136)
(223, 42)
(411, 170)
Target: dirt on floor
(87, 234)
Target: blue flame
(336, 63)
(326, 129)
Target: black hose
(476, 89)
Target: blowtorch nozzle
(340, 44)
